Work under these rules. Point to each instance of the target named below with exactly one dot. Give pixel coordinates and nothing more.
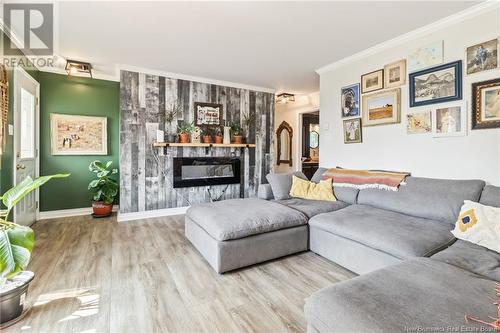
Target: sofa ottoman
(236, 233)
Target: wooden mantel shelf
(205, 145)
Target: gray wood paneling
(146, 180)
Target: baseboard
(122, 217)
(54, 214)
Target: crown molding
(194, 78)
(440, 24)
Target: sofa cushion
(418, 293)
(306, 189)
(312, 207)
(318, 175)
(238, 218)
(490, 196)
(471, 257)
(435, 199)
(399, 235)
(281, 183)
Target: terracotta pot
(207, 139)
(237, 139)
(218, 139)
(101, 209)
(184, 138)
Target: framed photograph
(350, 101)
(419, 123)
(207, 114)
(352, 131)
(78, 135)
(382, 108)
(486, 104)
(436, 85)
(395, 74)
(449, 121)
(372, 81)
(426, 56)
(482, 57)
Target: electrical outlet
(11, 129)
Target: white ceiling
(275, 45)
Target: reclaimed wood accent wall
(146, 176)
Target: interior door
(26, 109)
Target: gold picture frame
(372, 81)
(395, 74)
(382, 108)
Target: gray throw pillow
(281, 183)
(316, 178)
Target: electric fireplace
(204, 171)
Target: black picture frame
(477, 104)
(457, 65)
(212, 105)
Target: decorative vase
(160, 136)
(237, 139)
(171, 138)
(184, 137)
(227, 135)
(218, 139)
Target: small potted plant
(104, 188)
(237, 132)
(184, 131)
(248, 122)
(16, 245)
(169, 119)
(218, 135)
(206, 134)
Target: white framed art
(78, 135)
(449, 120)
(426, 56)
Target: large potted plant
(16, 244)
(104, 188)
(169, 119)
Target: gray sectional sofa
(413, 272)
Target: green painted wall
(6, 165)
(77, 96)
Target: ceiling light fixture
(74, 67)
(284, 98)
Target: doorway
(26, 142)
(309, 143)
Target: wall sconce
(73, 67)
(284, 98)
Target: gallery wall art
(350, 101)
(395, 74)
(419, 123)
(436, 85)
(426, 56)
(78, 135)
(207, 114)
(449, 121)
(486, 104)
(382, 108)
(352, 131)
(372, 81)
(482, 56)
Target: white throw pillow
(479, 224)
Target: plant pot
(218, 139)
(171, 138)
(12, 298)
(101, 209)
(184, 138)
(207, 139)
(237, 139)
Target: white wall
(290, 113)
(389, 147)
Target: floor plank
(97, 275)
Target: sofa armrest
(265, 192)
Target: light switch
(11, 129)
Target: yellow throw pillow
(313, 191)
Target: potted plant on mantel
(169, 119)
(237, 133)
(207, 135)
(16, 244)
(104, 188)
(218, 135)
(184, 131)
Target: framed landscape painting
(78, 135)
(486, 104)
(352, 131)
(482, 57)
(350, 101)
(207, 114)
(436, 85)
(382, 108)
(372, 81)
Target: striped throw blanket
(362, 179)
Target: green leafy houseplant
(104, 188)
(237, 133)
(17, 241)
(184, 131)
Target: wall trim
(55, 214)
(123, 217)
(440, 24)
(194, 78)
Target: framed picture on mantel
(208, 114)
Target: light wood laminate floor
(97, 275)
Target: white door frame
(298, 153)
(17, 72)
